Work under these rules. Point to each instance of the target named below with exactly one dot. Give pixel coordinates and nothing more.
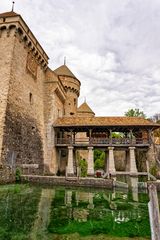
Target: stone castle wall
(54, 98)
(72, 87)
(23, 142)
(6, 50)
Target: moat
(31, 212)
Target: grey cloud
(113, 47)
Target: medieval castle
(39, 112)
(32, 97)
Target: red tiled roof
(104, 121)
(84, 108)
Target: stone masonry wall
(72, 87)
(6, 51)
(62, 181)
(23, 142)
(54, 108)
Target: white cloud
(113, 47)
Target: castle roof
(104, 121)
(9, 14)
(84, 108)
(64, 71)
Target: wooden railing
(102, 141)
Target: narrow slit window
(31, 98)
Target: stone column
(127, 161)
(134, 187)
(111, 163)
(68, 197)
(70, 167)
(106, 161)
(90, 170)
(90, 200)
(133, 167)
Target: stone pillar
(70, 167)
(68, 197)
(90, 170)
(133, 167)
(90, 200)
(134, 187)
(127, 161)
(111, 163)
(106, 161)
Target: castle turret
(85, 111)
(72, 88)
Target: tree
(99, 159)
(134, 113)
(83, 166)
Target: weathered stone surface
(22, 127)
(22, 143)
(7, 174)
(82, 182)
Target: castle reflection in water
(39, 212)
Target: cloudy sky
(112, 46)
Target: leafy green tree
(83, 166)
(134, 113)
(97, 154)
(117, 135)
(99, 159)
(99, 164)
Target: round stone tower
(72, 88)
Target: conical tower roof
(64, 71)
(8, 14)
(84, 108)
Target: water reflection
(43, 214)
(33, 212)
(134, 187)
(92, 212)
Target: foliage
(18, 209)
(98, 154)
(99, 164)
(83, 166)
(134, 113)
(154, 170)
(117, 135)
(99, 159)
(18, 175)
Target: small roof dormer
(85, 110)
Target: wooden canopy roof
(104, 122)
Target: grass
(97, 237)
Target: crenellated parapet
(12, 25)
(71, 84)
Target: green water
(36, 212)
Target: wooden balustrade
(102, 141)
